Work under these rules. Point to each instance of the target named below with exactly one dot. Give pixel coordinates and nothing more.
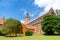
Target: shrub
(0, 33)
(28, 33)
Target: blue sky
(18, 8)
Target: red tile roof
(28, 26)
(1, 21)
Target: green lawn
(34, 37)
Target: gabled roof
(51, 9)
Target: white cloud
(47, 4)
(31, 15)
(25, 12)
(22, 21)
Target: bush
(28, 33)
(0, 33)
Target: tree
(49, 24)
(58, 26)
(58, 12)
(11, 26)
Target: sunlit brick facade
(1, 22)
(36, 23)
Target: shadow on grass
(10, 36)
(51, 34)
(13, 36)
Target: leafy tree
(58, 12)
(49, 24)
(11, 26)
(58, 26)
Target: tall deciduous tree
(50, 24)
(12, 26)
(58, 26)
(58, 12)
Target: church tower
(27, 18)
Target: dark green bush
(0, 33)
(28, 33)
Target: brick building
(1, 22)
(36, 23)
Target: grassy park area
(34, 37)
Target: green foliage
(11, 26)
(58, 12)
(0, 32)
(28, 33)
(58, 26)
(50, 24)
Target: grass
(34, 37)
